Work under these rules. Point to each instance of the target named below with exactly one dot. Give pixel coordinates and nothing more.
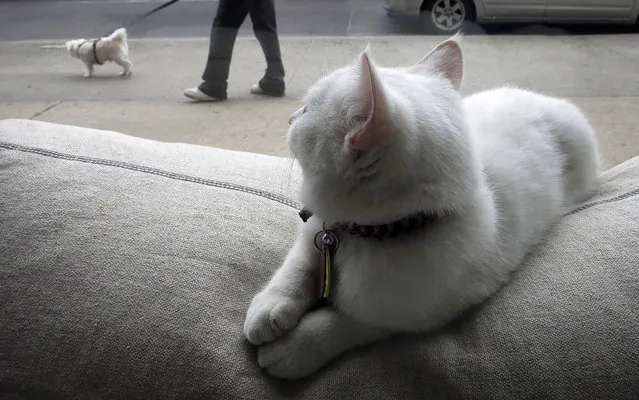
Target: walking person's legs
(228, 19)
(265, 28)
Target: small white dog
(98, 51)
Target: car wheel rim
(448, 15)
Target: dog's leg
(126, 64)
(89, 72)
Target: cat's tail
(576, 139)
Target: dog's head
(73, 46)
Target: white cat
(491, 172)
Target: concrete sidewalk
(41, 81)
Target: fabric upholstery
(127, 265)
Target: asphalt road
(64, 19)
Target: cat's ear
(375, 110)
(445, 59)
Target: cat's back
(535, 136)
(509, 114)
(513, 132)
(538, 154)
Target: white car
(449, 15)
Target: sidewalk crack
(39, 113)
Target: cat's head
(379, 143)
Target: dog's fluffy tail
(119, 35)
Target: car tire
(448, 16)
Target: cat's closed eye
(357, 120)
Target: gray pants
(230, 16)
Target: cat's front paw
(321, 336)
(270, 316)
(298, 354)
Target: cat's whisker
(289, 164)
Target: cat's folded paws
(270, 316)
(301, 352)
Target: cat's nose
(290, 120)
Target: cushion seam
(152, 171)
(600, 202)
(221, 184)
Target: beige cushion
(126, 267)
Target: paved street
(63, 19)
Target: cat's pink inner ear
(367, 84)
(372, 97)
(445, 59)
